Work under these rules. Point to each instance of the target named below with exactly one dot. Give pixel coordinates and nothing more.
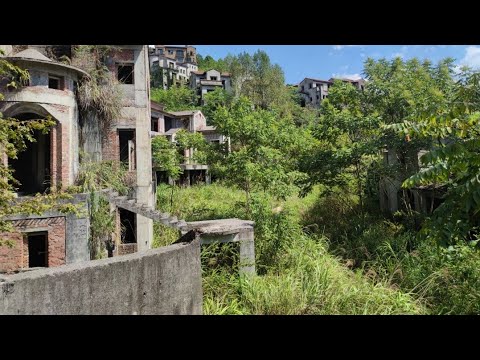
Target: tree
(177, 98)
(453, 161)
(207, 63)
(258, 79)
(166, 157)
(263, 149)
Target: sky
(326, 61)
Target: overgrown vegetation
(92, 178)
(335, 251)
(297, 274)
(99, 96)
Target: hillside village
(145, 171)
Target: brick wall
(111, 146)
(124, 55)
(15, 258)
(60, 155)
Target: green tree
(263, 149)
(165, 156)
(258, 79)
(453, 161)
(348, 135)
(207, 63)
(176, 98)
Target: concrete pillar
(247, 252)
(144, 190)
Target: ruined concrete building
(313, 91)
(393, 198)
(53, 160)
(165, 123)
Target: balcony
(211, 83)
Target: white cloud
(472, 57)
(347, 76)
(340, 47)
(402, 53)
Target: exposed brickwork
(53, 156)
(11, 259)
(124, 249)
(124, 55)
(16, 258)
(111, 146)
(65, 155)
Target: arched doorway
(33, 166)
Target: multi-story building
(205, 81)
(172, 65)
(165, 123)
(181, 54)
(53, 238)
(313, 91)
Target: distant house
(314, 91)
(206, 81)
(172, 64)
(165, 123)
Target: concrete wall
(160, 281)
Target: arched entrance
(33, 167)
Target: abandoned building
(422, 199)
(313, 91)
(204, 82)
(165, 123)
(55, 239)
(171, 65)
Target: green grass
(297, 275)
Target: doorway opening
(127, 147)
(32, 168)
(128, 226)
(37, 250)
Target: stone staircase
(131, 205)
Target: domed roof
(31, 54)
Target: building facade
(204, 82)
(54, 159)
(171, 65)
(165, 123)
(314, 91)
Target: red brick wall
(60, 155)
(16, 258)
(124, 55)
(111, 146)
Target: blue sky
(325, 61)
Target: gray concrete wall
(160, 281)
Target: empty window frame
(55, 82)
(125, 73)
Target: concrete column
(144, 190)
(247, 252)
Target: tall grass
(297, 275)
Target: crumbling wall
(160, 281)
